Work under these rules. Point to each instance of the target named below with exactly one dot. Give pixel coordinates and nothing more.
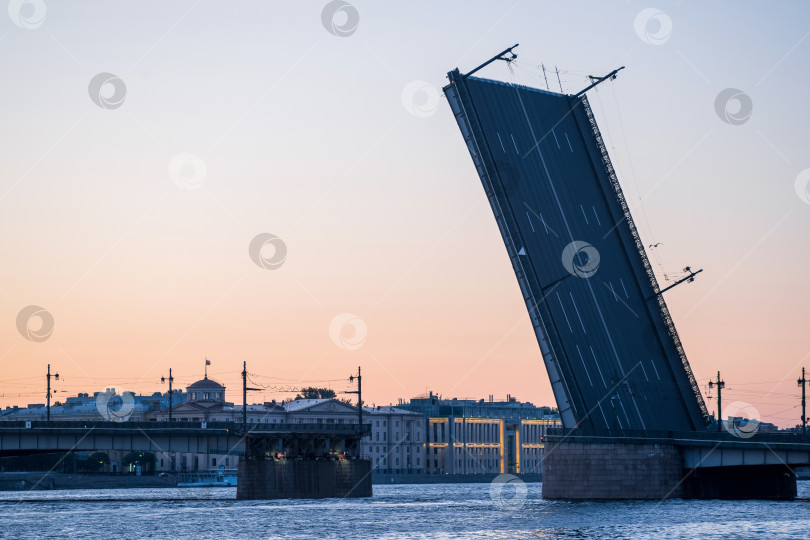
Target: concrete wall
(303, 479)
(22, 481)
(611, 471)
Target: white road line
(624, 410)
(603, 415)
(555, 139)
(577, 310)
(583, 366)
(571, 236)
(583, 214)
(530, 221)
(513, 142)
(644, 371)
(652, 361)
(500, 141)
(544, 222)
(595, 361)
(564, 313)
(625, 290)
(610, 286)
(569, 142)
(596, 216)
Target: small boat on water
(217, 478)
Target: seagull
(655, 245)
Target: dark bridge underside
(613, 356)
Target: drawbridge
(608, 341)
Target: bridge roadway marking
(571, 237)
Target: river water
(395, 511)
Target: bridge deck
(612, 353)
(197, 437)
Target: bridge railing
(615, 434)
(177, 427)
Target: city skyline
(132, 223)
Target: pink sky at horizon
(305, 135)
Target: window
(377, 423)
(397, 462)
(213, 462)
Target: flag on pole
(207, 362)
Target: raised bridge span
(613, 356)
(609, 344)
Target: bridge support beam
(741, 482)
(303, 478)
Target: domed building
(206, 390)
(205, 402)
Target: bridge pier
(311, 462)
(303, 478)
(691, 466)
(581, 470)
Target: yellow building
(483, 437)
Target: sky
(283, 184)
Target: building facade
(428, 434)
(483, 437)
(398, 441)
